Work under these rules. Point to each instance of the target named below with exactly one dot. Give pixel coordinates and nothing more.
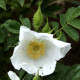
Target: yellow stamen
(36, 49)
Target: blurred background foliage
(13, 13)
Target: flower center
(35, 49)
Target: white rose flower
(13, 76)
(38, 51)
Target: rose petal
(20, 55)
(13, 76)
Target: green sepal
(46, 28)
(36, 76)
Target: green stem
(60, 29)
(40, 2)
(36, 76)
(52, 30)
(59, 35)
(24, 77)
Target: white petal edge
(55, 48)
(48, 68)
(44, 35)
(61, 49)
(31, 69)
(20, 56)
(13, 75)
(26, 33)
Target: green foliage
(22, 74)
(55, 25)
(67, 22)
(76, 13)
(60, 35)
(12, 26)
(76, 2)
(62, 19)
(2, 35)
(25, 22)
(48, 10)
(28, 77)
(72, 13)
(71, 32)
(52, 8)
(63, 72)
(75, 23)
(10, 42)
(21, 2)
(69, 13)
(2, 4)
(44, 3)
(73, 73)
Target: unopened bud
(38, 18)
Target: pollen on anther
(36, 49)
